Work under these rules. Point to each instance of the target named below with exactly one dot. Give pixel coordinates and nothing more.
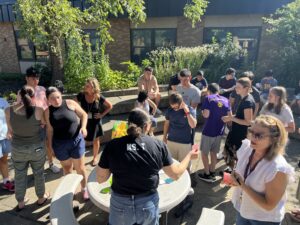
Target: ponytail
(26, 94)
(134, 131)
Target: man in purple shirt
(213, 109)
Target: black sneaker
(213, 175)
(206, 177)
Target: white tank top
(264, 172)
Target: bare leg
(79, 166)
(96, 147)
(213, 161)
(205, 162)
(67, 166)
(4, 166)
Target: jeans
(134, 210)
(243, 221)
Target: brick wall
(8, 57)
(119, 49)
(188, 36)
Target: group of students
(260, 173)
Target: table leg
(164, 218)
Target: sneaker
(85, 195)
(206, 177)
(54, 168)
(220, 156)
(228, 170)
(191, 191)
(9, 185)
(213, 175)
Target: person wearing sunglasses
(262, 174)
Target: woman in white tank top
(262, 174)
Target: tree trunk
(57, 66)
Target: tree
(51, 22)
(284, 57)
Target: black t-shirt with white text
(135, 163)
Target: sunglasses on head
(257, 135)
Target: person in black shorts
(135, 161)
(96, 106)
(66, 133)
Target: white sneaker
(191, 191)
(220, 156)
(54, 168)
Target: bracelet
(187, 113)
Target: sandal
(18, 208)
(46, 197)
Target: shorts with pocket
(210, 144)
(72, 148)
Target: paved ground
(206, 195)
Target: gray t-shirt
(191, 95)
(285, 116)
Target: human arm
(176, 170)
(155, 86)
(191, 119)
(290, 127)
(102, 174)
(205, 113)
(141, 84)
(49, 130)
(80, 113)
(9, 134)
(248, 115)
(108, 108)
(166, 130)
(152, 105)
(275, 189)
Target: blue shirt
(179, 128)
(218, 106)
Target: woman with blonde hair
(277, 107)
(262, 174)
(240, 121)
(96, 106)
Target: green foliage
(213, 58)
(221, 56)
(193, 11)
(284, 29)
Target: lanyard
(246, 173)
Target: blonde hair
(278, 135)
(96, 86)
(281, 93)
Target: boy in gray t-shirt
(191, 94)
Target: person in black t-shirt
(227, 83)
(199, 81)
(135, 161)
(240, 121)
(235, 98)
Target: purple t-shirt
(218, 107)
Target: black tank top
(64, 121)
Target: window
(93, 38)
(28, 51)
(247, 37)
(146, 40)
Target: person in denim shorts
(5, 148)
(66, 133)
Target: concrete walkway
(206, 195)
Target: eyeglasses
(257, 135)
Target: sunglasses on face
(257, 135)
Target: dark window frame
(152, 39)
(88, 32)
(32, 47)
(259, 29)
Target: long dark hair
(26, 94)
(136, 121)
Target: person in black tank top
(66, 133)
(96, 106)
